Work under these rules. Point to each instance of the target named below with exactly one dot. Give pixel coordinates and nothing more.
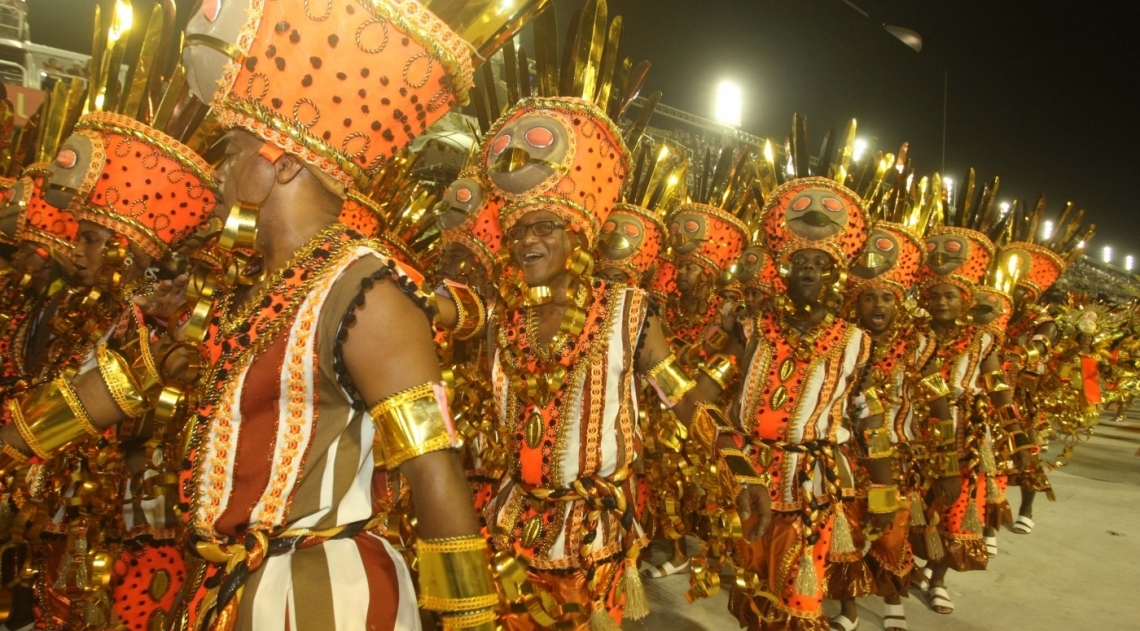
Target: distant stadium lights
(729, 104)
(1047, 230)
(859, 149)
(1129, 262)
(1107, 254)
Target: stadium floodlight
(1107, 254)
(729, 104)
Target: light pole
(729, 106)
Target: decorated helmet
(1048, 255)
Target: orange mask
(815, 213)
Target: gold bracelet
(1029, 380)
(879, 443)
(484, 620)
(931, 388)
(412, 423)
(946, 465)
(882, 499)
(995, 381)
(76, 405)
(11, 458)
(721, 370)
(471, 315)
(874, 403)
(942, 431)
(737, 465)
(46, 420)
(717, 340)
(455, 575)
(122, 385)
(670, 380)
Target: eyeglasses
(539, 228)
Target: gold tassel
(993, 491)
(972, 523)
(807, 581)
(934, 550)
(917, 510)
(600, 619)
(841, 541)
(989, 465)
(636, 603)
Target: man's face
(688, 231)
(879, 255)
(89, 252)
(755, 300)
(238, 176)
(541, 258)
(944, 303)
(946, 253)
(809, 270)
(68, 170)
(877, 309)
(816, 214)
(458, 263)
(690, 277)
(1022, 296)
(614, 275)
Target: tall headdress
(472, 218)
(1051, 254)
(557, 148)
(993, 300)
(960, 244)
(634, 235)
(821, 208)
(711, 228)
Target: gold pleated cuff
(882, 499)
(874, 404)
(932, 387)
(945, 464)
(670, 380)
(942, 431)
(878, 443)
(738, 466)
(471, 315)
(412, 423)
(721, 370)
(995, 381)
(121, 382)
(50, 418)
(455, 578)
(11, 458)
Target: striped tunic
(284, 449)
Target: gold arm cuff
(1029, 380)
(945, 465)
(874, 404)
(455, 575)
(932, 387)
(737, 465)
(995, 381)
(879, 443)
(47, 420)
(471, 315)
(11, 458)
(476, 620)
(412, 423)
(942, 431)
(717, 340)
(120, 382)
(721, 370)
(670, 380)
(882, 499)
(1032, 355)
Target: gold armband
(736, 464)
(1029, 380)
(942, 431)
(1031, 354)
(412, 423)
(721, 370)
(878, 443)
(11, 458)
(995, 381)
(50, 418)
(717, 339)
(945, 464)
(882, 499)
(120, 382)
(670, 380)
(455, 580)
(471, 315)
(932, 387)
(874, 404)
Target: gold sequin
(534, 427)
(787, 368)
(532, 532)
(779, 398)
(159, 585)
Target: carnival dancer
(1032, 331)
(569, 348)
(881, 280)
(802, 367)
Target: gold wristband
(1029, 380)
(471, 315)
(670, 380)
(879, 444)
(942, 431)
(1032, 355)
(47, 421)
(932, 387)
(11, 458)
(874, 403)
(995, 381)
(737, 465)
(455, 575)
(946, 465)
(120, 382)
(412, 423)
(717, 340)
(882, 499)
(483, 620)
(721, 370)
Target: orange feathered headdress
(1049, 254)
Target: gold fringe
(841, 542)
(972, 522)
(993, 491)
(600, 620)
(636, 602)
(934, 544)
(986, 452)
(807, 581)
(917, 510)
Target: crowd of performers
(256, 377)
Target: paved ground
(1080, 569)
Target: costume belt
(240, 560)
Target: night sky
(1044, 93)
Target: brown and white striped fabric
(300, 456)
